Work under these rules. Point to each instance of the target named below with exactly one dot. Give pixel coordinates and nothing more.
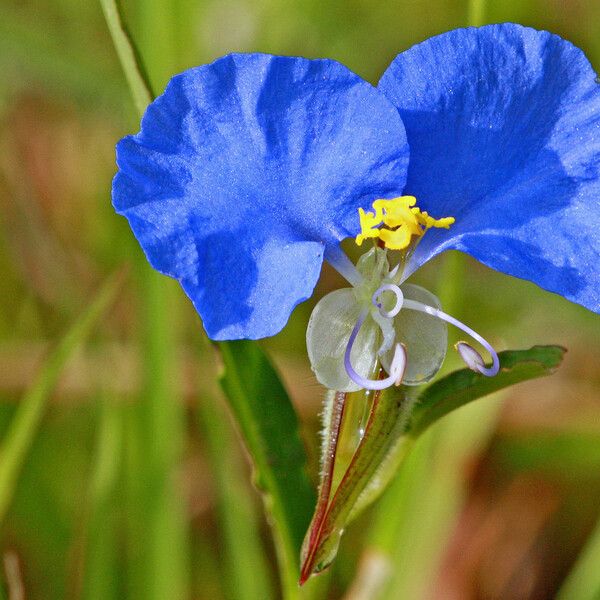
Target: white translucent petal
(329, 328)
(425, 338)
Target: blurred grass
(245, 571)
(23, 428)
(152, 508)
(158, 541)
(583, 583)
(159, 536)
(100, 571)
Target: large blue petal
(503, 124)
(246, 171)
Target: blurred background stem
(101, 569)
(159, 535)
(476, 13)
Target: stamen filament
(467, 355)
(396, 368)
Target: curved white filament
(470, 356)
(388, 287)
(396, 368)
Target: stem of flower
(476, 13)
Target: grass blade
(31, 409)
(583, 583)
(101, 556)
(158, 536)
(136, 75)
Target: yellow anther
(396, 221)
(396, 239)
(368, 223)
(398, 213)
(428, 222)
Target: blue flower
(248, 172)
(503, 124)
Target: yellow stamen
(396, 221)
(368, 223)
(429, 222)
(396, 239)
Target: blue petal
(503, 124)
(246, 171)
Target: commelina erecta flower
(248, 172)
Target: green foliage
(395, 422)
(105, 492)
(26, 421)
(464, 386)
(269, 427)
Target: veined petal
(245, 171)
(503, 124)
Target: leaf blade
(464, 386)
(269, 426)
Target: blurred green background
(135, 484)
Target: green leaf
(269, 427)
(24, 426)
(383, 433)
(453, 391)
(464, 386)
